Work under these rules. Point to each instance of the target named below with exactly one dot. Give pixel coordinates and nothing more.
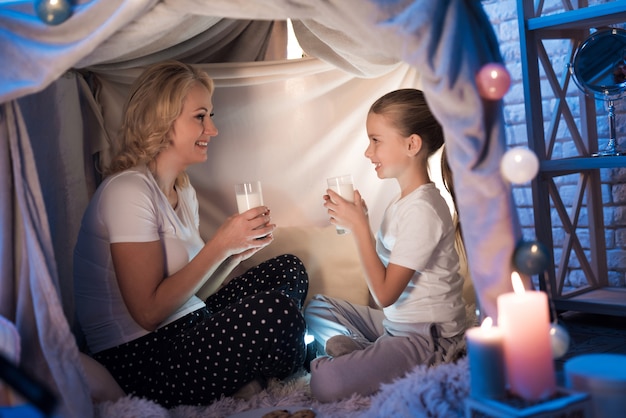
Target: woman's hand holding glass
(244, 234)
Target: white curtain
(289, 124)
(30, 289)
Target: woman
(139, 261)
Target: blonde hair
(155, 101)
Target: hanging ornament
(530, 257)
(493, 81)
(519, 165)
(53, 12)
(559, 339)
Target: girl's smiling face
(387, 148)
(193, 128)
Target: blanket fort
(55, 68)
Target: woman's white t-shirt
(128, 207)
(417, 232)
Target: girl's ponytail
(446, 174)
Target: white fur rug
(425, 392)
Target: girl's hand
(346, 214)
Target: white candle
(524, 319)
(485, 349)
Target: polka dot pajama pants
(251, 328)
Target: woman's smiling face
(193, 128)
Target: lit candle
(485, 350)
(524, 319)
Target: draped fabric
(30, 295)
(288, 124)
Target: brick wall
(503, 15)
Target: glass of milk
(249, 195)
(344, 187)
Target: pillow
(102, 386)
(331, 260)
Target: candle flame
(518, 286)
(487, 323)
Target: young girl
(411, 267)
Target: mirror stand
(611, 148)
(599, 70)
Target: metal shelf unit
(536, 28)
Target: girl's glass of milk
(249, 195)
(344, 187)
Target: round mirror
(599, 69)
(599, 66)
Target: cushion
(102, 385)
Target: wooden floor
(591, 333)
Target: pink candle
(486, 361)
(524, 319)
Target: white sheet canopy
(289, 124)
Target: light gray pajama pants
(390, 349)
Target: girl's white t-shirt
(129, 207)
(417, 232)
